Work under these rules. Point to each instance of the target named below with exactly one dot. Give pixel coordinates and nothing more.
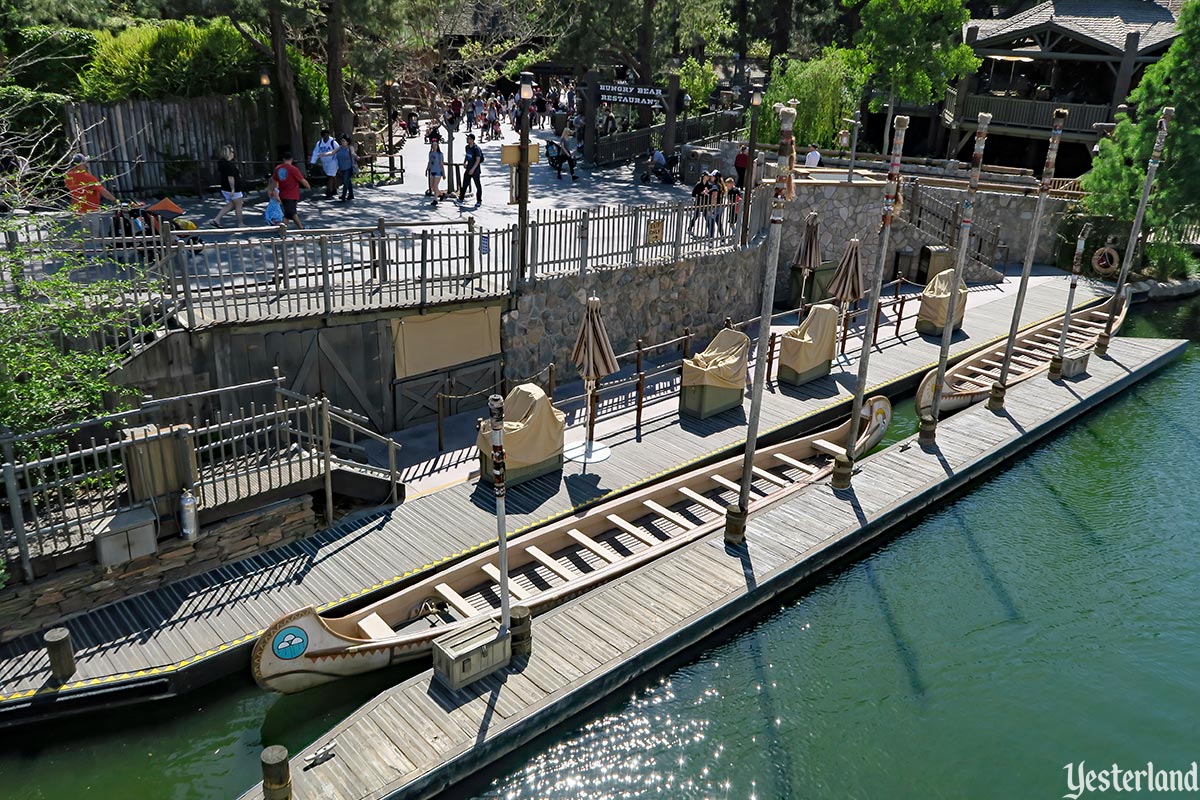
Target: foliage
(828, 89)
(1119, 171)
(30, 110)
(311, 85)
(53, 369)
(698, 80)
(49, 59)
(910, 49)
(172, 59)
(759, 49)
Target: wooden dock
(419, 737)
(187, 633)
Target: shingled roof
(1103, 23)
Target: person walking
(700, 199)
(324, 151)
(289, 178)
(473, 159)
(733, 202)
(435, 168)
(231, 187)
(741, 163)
(347, 164)
(557, 153)
(714, 205)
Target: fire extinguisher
(188, 519)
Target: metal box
(466, 655)
(1074, 363)
(125, 536)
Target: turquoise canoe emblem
(290, 643)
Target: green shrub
(49, 59)
(171, 59)
(311, 85)
(31, 110)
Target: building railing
(943, 221)
(1017, 112)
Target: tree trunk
(782, 40)
(287, 101)
(341, 121)
(741, 27)
(887, 128)
(645, 56)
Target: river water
(1045, 618)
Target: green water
(1047, 617)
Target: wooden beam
(769, 476)
(493, 572)
(711, 505)
(588, 543)
(456, 601)
(551, 564)
(800, 465)
(633, 530)
(668, 514)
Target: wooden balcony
(1014, 112)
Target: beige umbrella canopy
(593, 356)
(808, 257)
(847, 284)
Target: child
(274, 210)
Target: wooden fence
(143, 146)
(618, 147)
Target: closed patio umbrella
(808, 258)
(847, 284)
(593, 356)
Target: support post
(424, 268)
(1055, 372)
(276, 773)
(591, 106)
(383, 253)
(735, 517)
(680, 216)
(964, 244)
(523, 183)
(18, 516)
(496, 410)
(669, 134)
(844, 467)
(996, 400)
(751, 178)
(471, 245)
(326, 278)
(327, 453)
(61, 653)
(856, 122)
(1135, 233)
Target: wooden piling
(61, 652)
(276, 773)
(770, 355)
(521, 628)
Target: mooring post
(61, 652)
(276, 773)
(522, 630)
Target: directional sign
(631, 94)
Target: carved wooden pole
(843, 466)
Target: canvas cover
(935, 299)
(723, 362)
(812, 343)
(533, 428)
(427, 342)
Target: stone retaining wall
(26, 608)
(652, 301)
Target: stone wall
(853, 210)
(26, 608)
(653, 301)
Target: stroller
(413, 125)
(666, 174)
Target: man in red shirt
(86, 191)
(289, 179)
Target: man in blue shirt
(346, 167)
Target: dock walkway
(184, 634)
(419, 737)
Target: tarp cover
(428, 342)
(935, 300)
(533, 428)
(723, 363)
(813, 342)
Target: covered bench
(806, 351)
(533, 436)
(935, 303)
(715, 380)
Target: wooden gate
(342, 363)
(466, 386)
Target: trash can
(559, 121)
(817, 286)
(935, 258)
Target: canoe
(547, 566)
(971, 380)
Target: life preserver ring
(1105, 261)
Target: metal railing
(66, 486)
(1017, 112)
(942, 220)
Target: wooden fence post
(17, 515)
(550, 389)
(583, 242)
(441, 413)
(327, 453)
(181, 268)
(770, 355)
(281, 275)
(424, 268)
(680, 215)
(383, 254)
(326, 278)
(533, 250)
(471, 245)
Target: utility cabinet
(125, 536)
(468, 654)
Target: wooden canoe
(547, 566)
(971, 380)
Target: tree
(1118, 173)
(697, 80)
(909, 50)
(828, 89)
